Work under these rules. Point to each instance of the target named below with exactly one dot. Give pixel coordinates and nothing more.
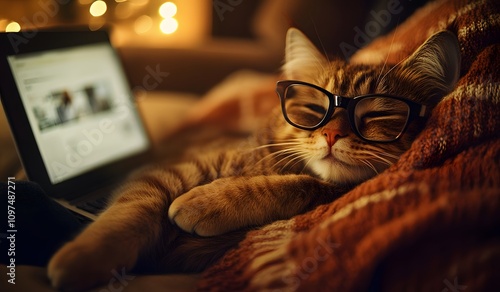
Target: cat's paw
(78, 266)
(197, 213)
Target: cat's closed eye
(380, 117)
(316, 108)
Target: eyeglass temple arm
(423, 111)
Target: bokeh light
(96, 23)
(13, 27)
(168, 9)
(139, 2)
(169, 25)
(98, 8)
(3, 24)
(123, 10)
(143, 24)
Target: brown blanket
(430, 222)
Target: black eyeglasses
(373, 117)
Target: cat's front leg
(133, 224)
(232, 203)
(90, 260)
(108, 246)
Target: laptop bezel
(28, 151)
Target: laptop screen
(79, 108)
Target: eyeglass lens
(305, 106)
(380, 118)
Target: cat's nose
(332, 135)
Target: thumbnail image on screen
(66, 105)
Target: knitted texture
(430, 222)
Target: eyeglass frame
(349, 104)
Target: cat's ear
(436, 62)
(302, 59)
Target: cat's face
(334, 151)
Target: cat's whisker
(369, 164)
(379, 151)
(381, 156)
(294, 153)
(301, 140)
(279, 144)
(287, 153)
(283, 159)
(290, 139)
(290, 153)
(389, 155)
(288, 149)
(325, 53)
(284, 142)
(298, 158)
(307, 163)
(381, 159)
(386, 58)
(269, 156)
(393, 67)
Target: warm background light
(133, 23)
(174, 23)
(123, 10)
(139, 2)
(98, 8)
(13, 27)
(96, 23)
(143, 24)
(168, 9)
(3, 24)
(169, 25)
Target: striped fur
(278, 173)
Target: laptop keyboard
(94, 206)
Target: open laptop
(72, 114)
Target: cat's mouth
(333, 159)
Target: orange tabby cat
(321, 142)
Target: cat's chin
(334, 170)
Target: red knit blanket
(430, 222)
